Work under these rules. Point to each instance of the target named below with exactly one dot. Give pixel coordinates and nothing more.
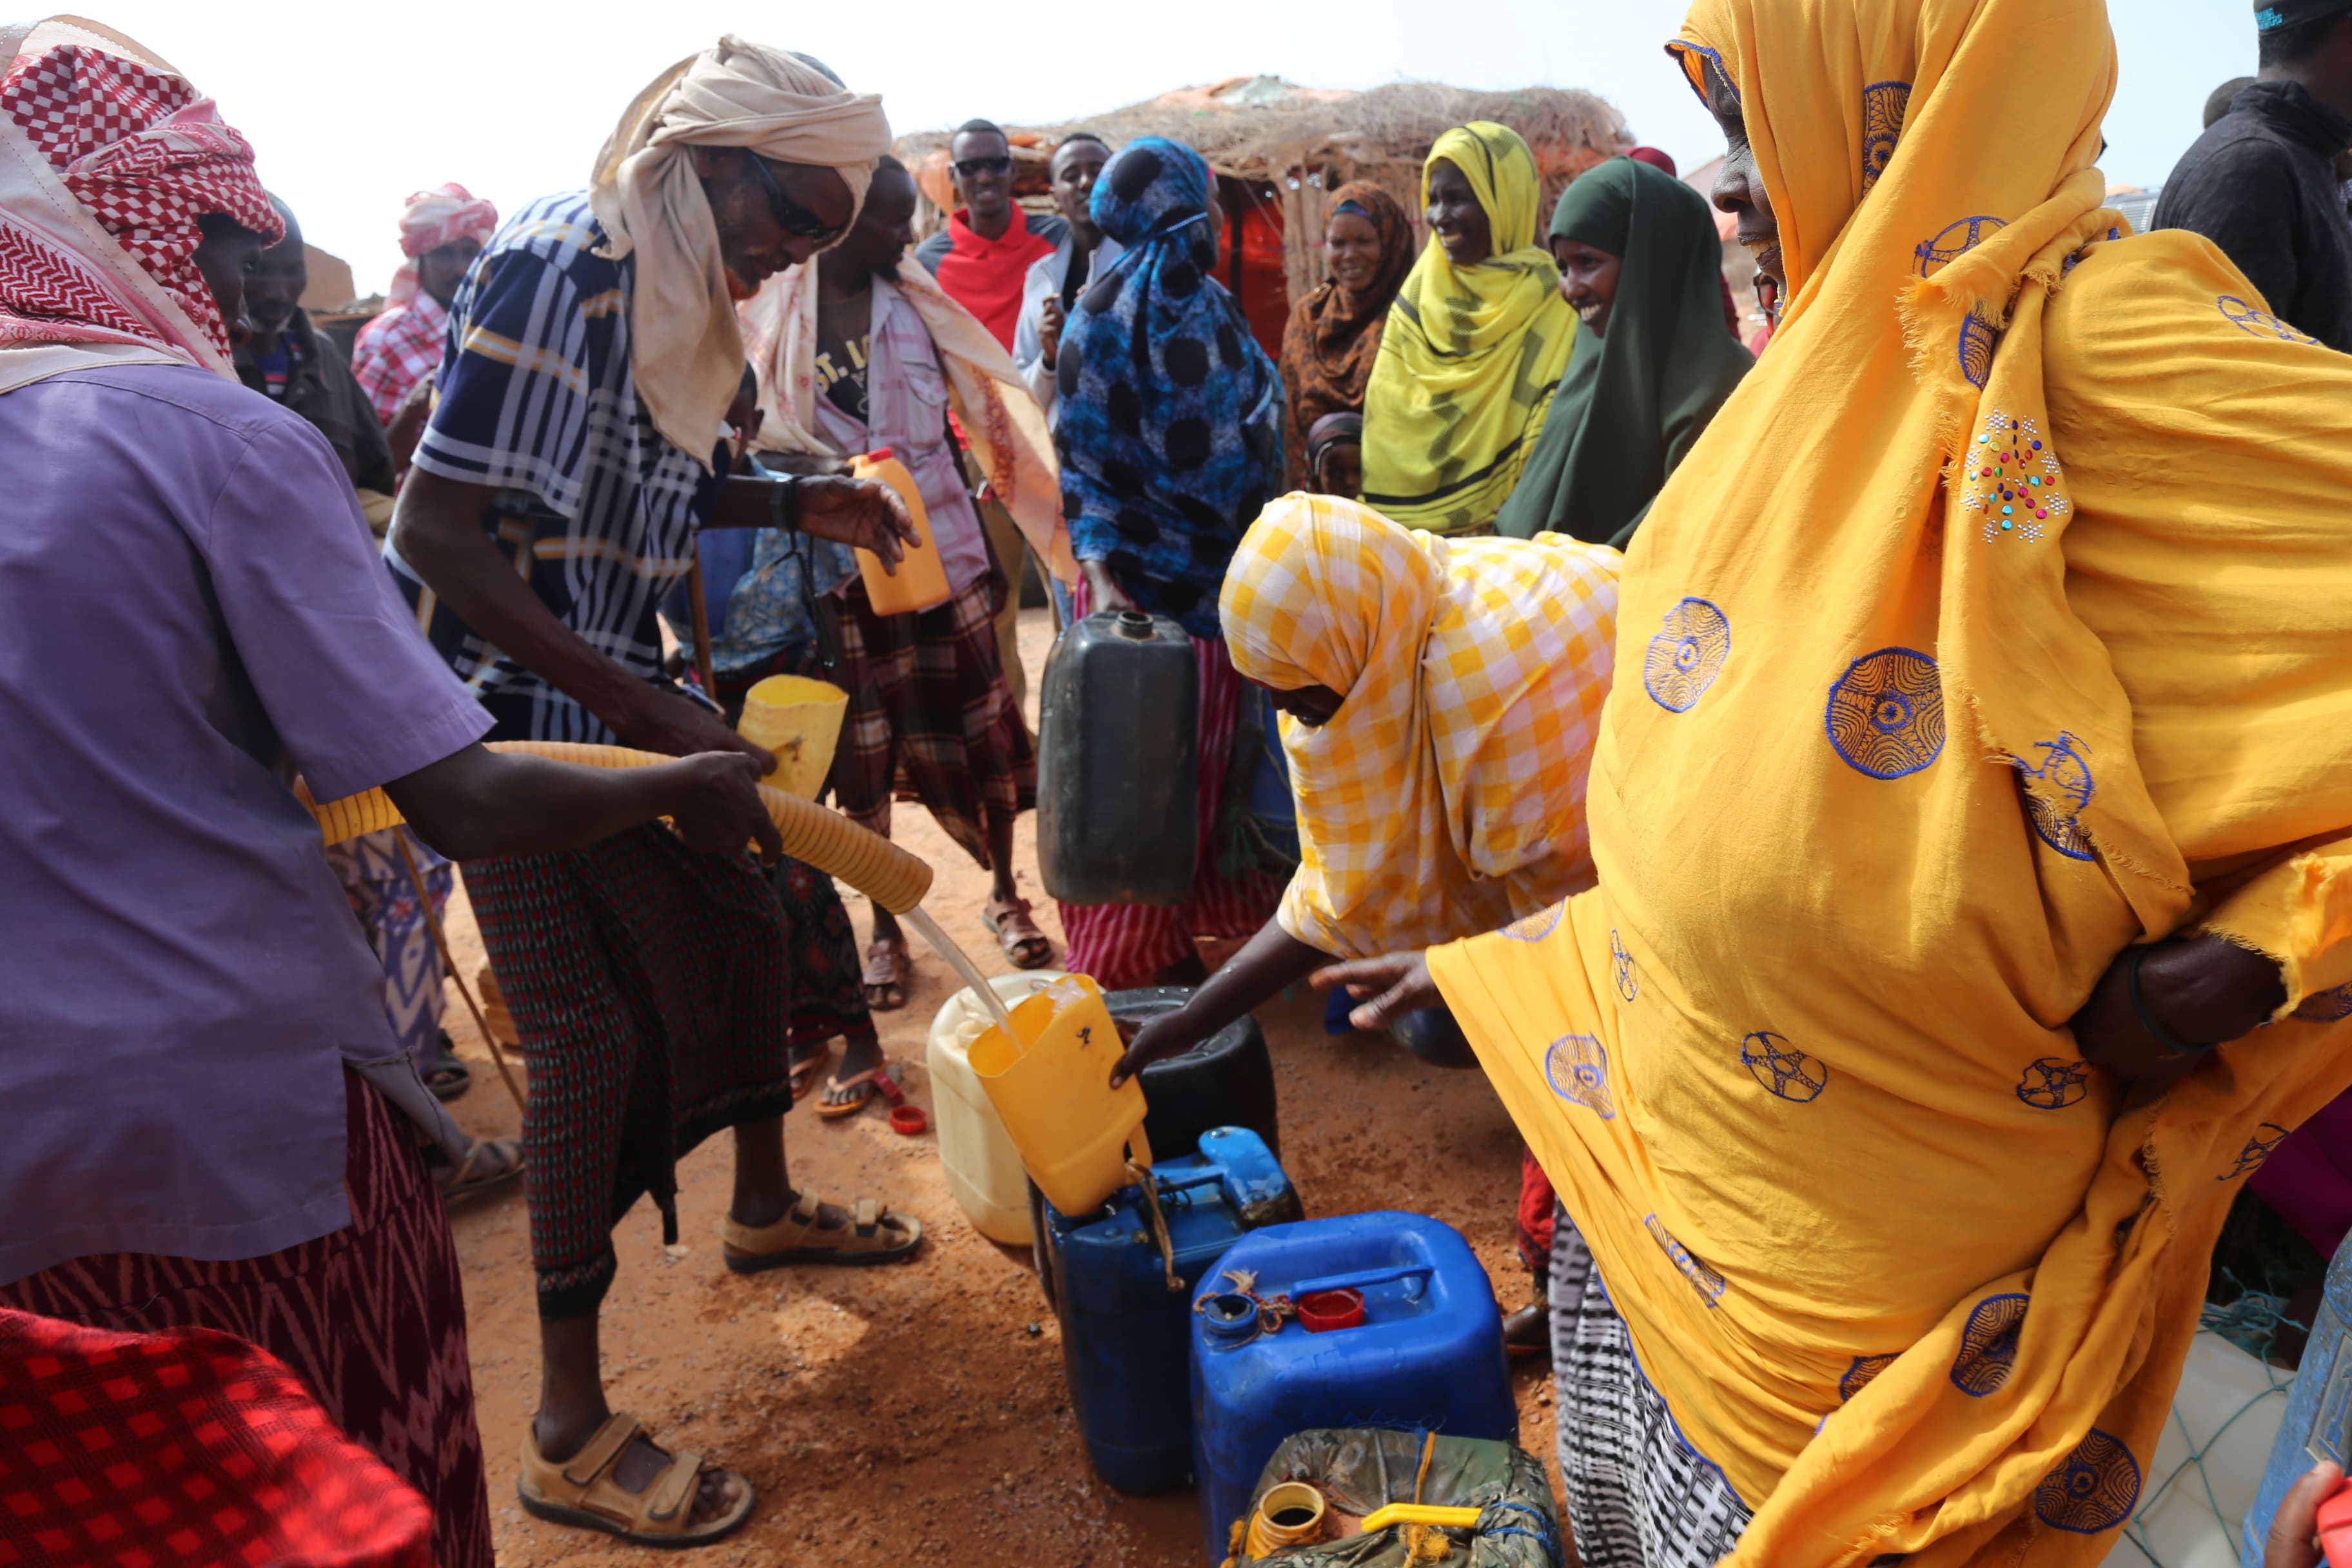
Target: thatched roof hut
(1283, 145)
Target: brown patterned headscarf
(1334, 334)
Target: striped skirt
(1639, 1495)
(372, 1318)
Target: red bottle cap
(1327, 1310)
(907, 1121)
(879, 455)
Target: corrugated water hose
(824, 839)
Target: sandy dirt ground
(918, 1413)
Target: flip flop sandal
(887, 967)
(802, 1073)
(582, 1492)
(478, 1174)
(1016, 933)
(448, 1078)
(874, 1235)
(832, 1110)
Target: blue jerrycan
(1368, 1320)
(1123, 1331)
(1117, 756)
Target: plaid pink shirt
(397, 350)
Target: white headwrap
(684, 348)
(999, 416)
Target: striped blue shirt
(594, 507)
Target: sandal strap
(598, 1454)
(866, 1216)
(789, 1232)
(669, 1501)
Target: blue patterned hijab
(1171, 430)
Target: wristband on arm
(784, 502)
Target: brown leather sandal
(1015, 929)
(874, 1235)
(582, 1491)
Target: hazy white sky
(352, 108)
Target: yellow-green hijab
(1470, 355)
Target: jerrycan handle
(1415, 1275)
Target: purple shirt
(194, 609)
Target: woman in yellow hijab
(1980, 786)
(1474, 346)
(1441, 701)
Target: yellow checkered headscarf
(1447, 794)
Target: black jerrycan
(1117, 752)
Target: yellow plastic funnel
(800, 721)
(1051, 1090)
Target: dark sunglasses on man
(1002, 163)
(790, 216)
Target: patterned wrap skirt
(376, 879)
(931, 720)
(372, 1318)
(1639, 1495)
(650, 986)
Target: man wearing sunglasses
(982, 260)
(555, 496)
(985, 251)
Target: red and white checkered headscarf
(108, 158)
(435, 218)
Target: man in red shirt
(983, 254)
(982, 260)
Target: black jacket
(2261, 185)
(322, 389)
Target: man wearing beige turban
(555, 499)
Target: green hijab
(1631, 404)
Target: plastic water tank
(983, 1168)
(1424, 1351)
(1123, 1331)
(1118, 743)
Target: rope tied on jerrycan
(1142, 1177)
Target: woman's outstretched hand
(2200, 991)
(1387, 987)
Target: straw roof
(1264, 129)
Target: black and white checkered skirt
(1639, 1495)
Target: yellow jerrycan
(921, 583)
(1052, 1089)
(800, 721)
